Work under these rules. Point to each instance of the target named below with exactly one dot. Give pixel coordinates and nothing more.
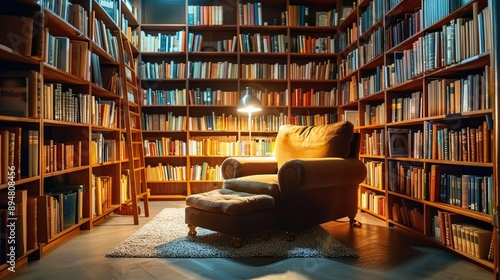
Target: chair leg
(236, 242)
(192, 230)
(354, 222)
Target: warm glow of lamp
(249, 104)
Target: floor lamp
(249, 104)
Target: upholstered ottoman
(230, 212)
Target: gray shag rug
(165, 236)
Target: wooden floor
(384, 253)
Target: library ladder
(133, 132)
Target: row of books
(104, 76)
(67, 55)
(204, 171)
(205, 15)
(263, 43)
(102, 150)
(59, 156)
(101, 194)
(441, 48)
(19, 153)
(371, 84)
(65, 207)
(349, 36)
(472, 192)
(468, 191)
(111, 7)
(104, 112)
(309, 44)
(104, 37)
(212, 70)
(468, 144)
(73, 13)
(372, 47)
(214, 147)
(162, 70)
(310, 120)
(407, 108)
(62, 104)
(164, 146)
(349, 90)
(164, 97)
(371, 14)
(349, 64)
(375, 143)
(257, 42)
(456, 232)
(250, 13)
(213, 97)
(372, 201)
(197, 172)
(168, 172)
(455, 96)
(264, 71)
(375, 173)
(302, 97)
(273, 98)
(196, 43)
(405, 215)
(209, 96)
(439, 141)
(169, 122)
(374, 114)
(164, 42)
(437, 10)
(403, 29)
(324, 70)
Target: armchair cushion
(333, 140)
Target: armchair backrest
(294, 141)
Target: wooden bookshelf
(368, 46)
(402, 100)
(63, 133)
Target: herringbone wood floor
(384, 253)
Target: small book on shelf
(321, 18)
(398, 142)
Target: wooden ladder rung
(132, 112)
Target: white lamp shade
(249, 103)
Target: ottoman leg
(192, 230)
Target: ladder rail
(131, 109)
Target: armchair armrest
(234, 167)
(255, 184)
(320, 172)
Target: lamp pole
(250, 130)
(249, 103)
